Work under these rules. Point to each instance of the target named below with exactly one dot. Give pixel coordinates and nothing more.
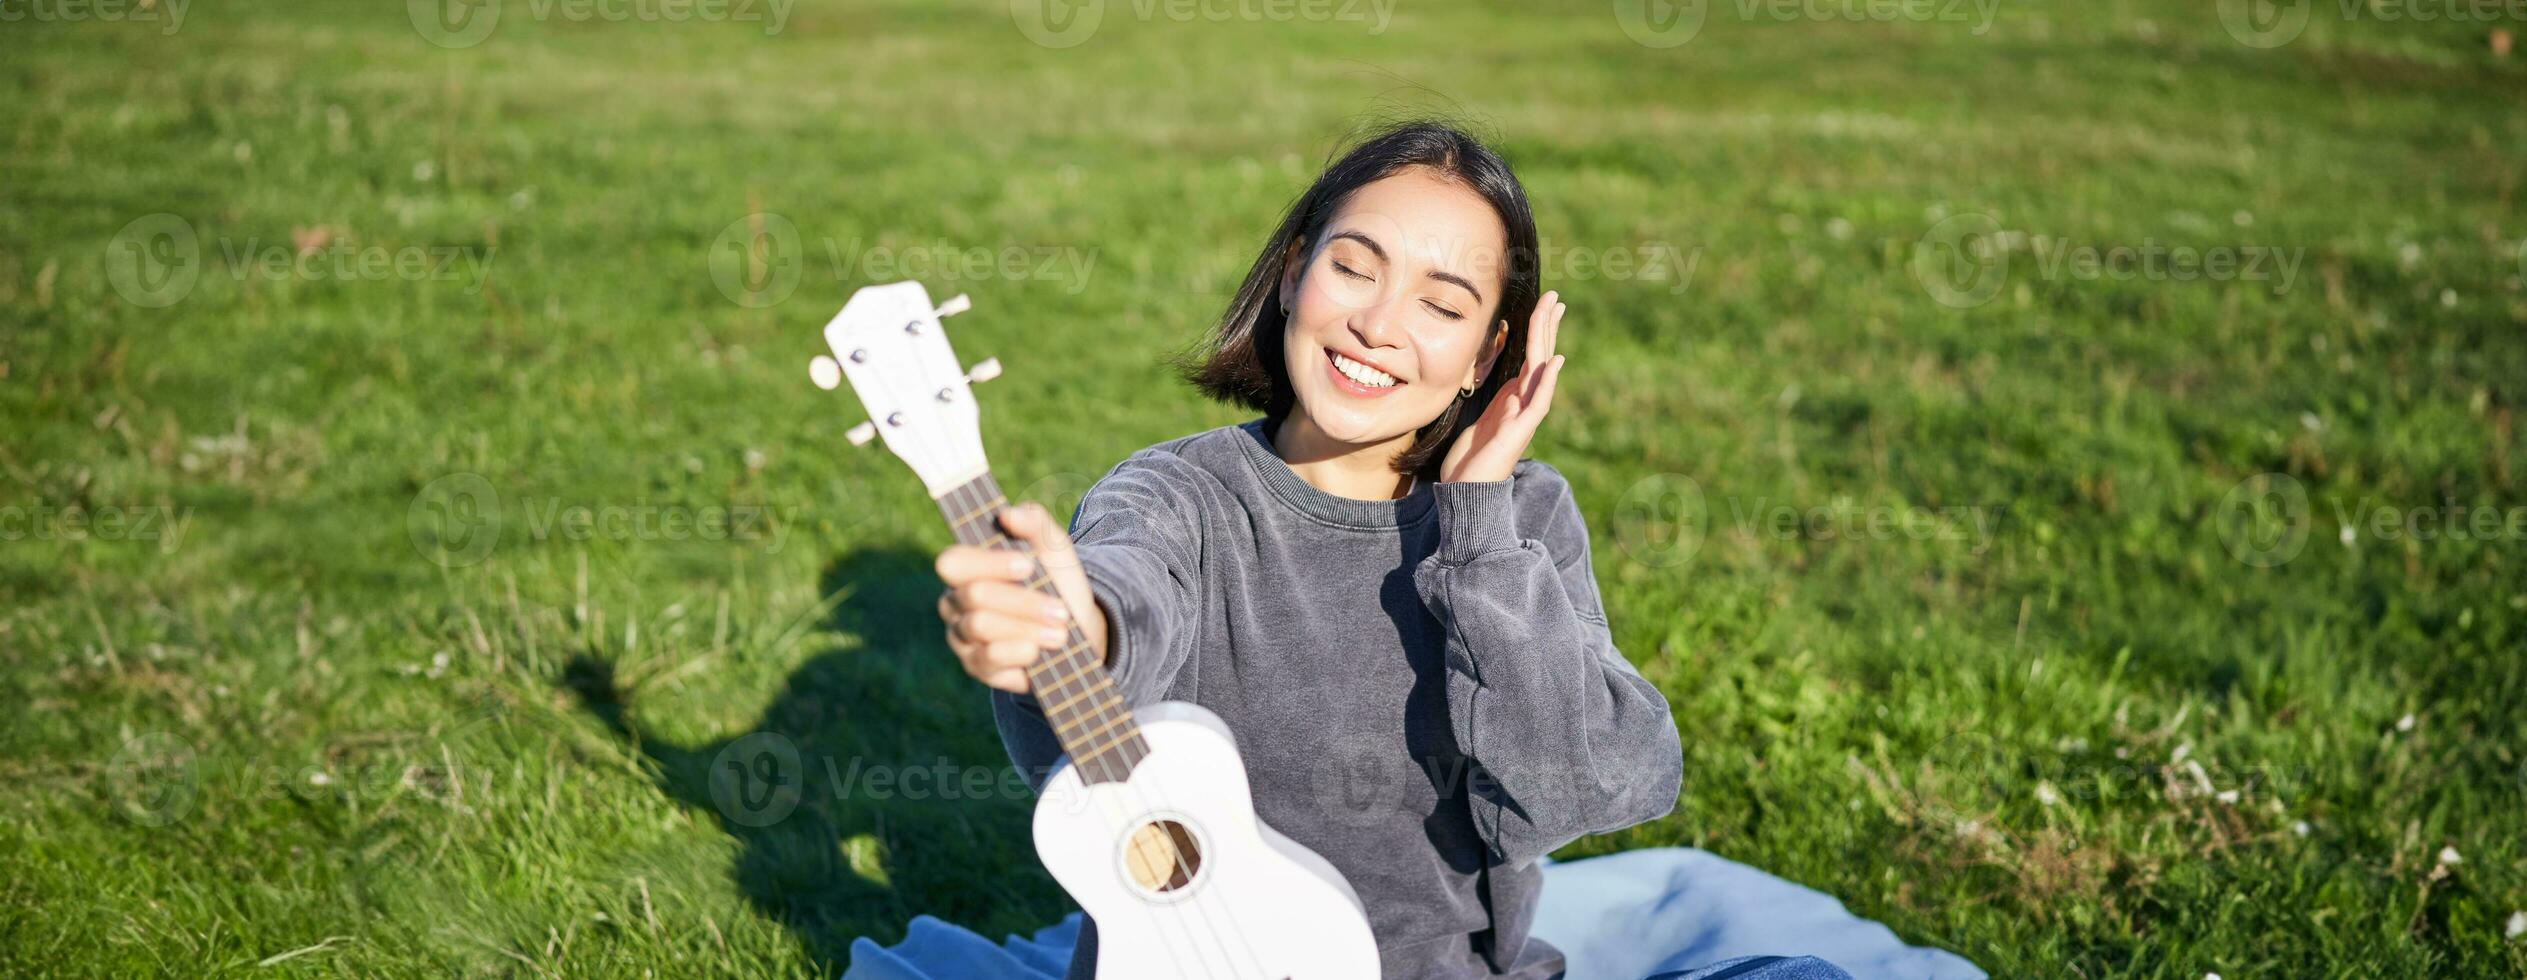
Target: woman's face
(1389, 307)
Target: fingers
(985, 612)
(1541, 327)
(1542, 337)
(996, 646)
(1008, 599)
(1000, 665)
(1535, 378)
(964, 563)
(996, 625)
(1031, 523)
(1543, 400)
(1005, 640)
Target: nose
(1375, 324)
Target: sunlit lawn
(2087, 619)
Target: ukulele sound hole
(1161, 856)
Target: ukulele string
(1201, 907)
(1120, 823)
(1201, 912)
(986, 511)
(1115, 818)
(1233, 928)
(1199, 903)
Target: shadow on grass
(874, 786)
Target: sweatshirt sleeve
(1138, 539)
(1567, 738)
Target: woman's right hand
(997, 625)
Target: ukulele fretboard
(1070, 684)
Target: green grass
(289, 741)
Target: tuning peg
(984, 370)
(826, 373)
(861, 434)
(956, 304)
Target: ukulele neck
(1070, 684)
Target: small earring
(1466, 392)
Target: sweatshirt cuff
(1475, 519)
(1126, 620)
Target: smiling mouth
(1365, 379)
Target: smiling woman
(1412, 258)
(1393, 612)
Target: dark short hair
(1241, 361)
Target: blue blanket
(1618, 917)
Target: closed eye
(1348, 271)
(1443, 311)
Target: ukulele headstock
(888, 343)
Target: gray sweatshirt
(1424, 690)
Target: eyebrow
(1446, 277)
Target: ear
(1482, 366)
(1292, 268)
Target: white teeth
(1362, 373)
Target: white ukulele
(1149, 823)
